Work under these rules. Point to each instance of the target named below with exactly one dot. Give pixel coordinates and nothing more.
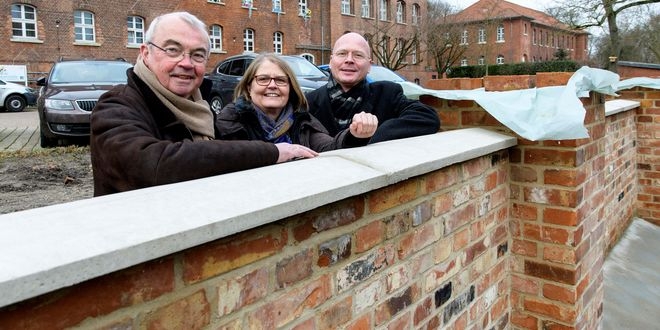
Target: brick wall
(428, 252)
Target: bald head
(350, 61)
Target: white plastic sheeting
(546, 113)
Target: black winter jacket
(240, 122)
(398, 116)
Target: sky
(534, 4)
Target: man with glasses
(348, 93)
(157, 129)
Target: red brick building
(497, 32)
(37, 33)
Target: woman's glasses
(264, 80)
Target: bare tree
(392, 52)
(443, 36)
(582, 14)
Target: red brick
(546, 79)
(507, 83)
(550, 272)
(556, 197)
(422, 311)
(236, 293)
(369, 236)
(524, 248)
(524, 211)
(523, 174)
(232, 252)
(525, 285)
(524, 321)
(564, 217)
(295, 268)
(338, 314)
(441, 179)
(567, 178)
(557, 312)
(554, 157)
(391, 196)
(559, 293)
(96, 297)
(192, 312)
(328, 217)
(362, 323)
(559, 254)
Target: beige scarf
(195, 114)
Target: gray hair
(187, 17)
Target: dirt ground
(42, 178)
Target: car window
(379, 73)
(303, 68)
(89, 72)
(224, 67)
(237, 67)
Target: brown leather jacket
(137, 142)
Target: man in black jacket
(348, 93)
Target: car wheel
(47, 142)
(15, 103)
(216, 104)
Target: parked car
(226, 75)
(69, 94)
(380, 73)
(15, 97)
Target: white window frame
(481, 60)
(346, 7)
(400, 12)
(481, 36)
(382, 10)
(302, 8)
(215, 35)
(500, 59)
(415, 14)
(309, 57)
(399, 48)
(413, 55)
(135, 27)
(366, 8)
(27, 24)
(277, 6)
(464, 37)
(248, 40)
(464, 62)
(82, 27)
(278, 41)
(500, 33)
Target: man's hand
(363, 125)
(293, 151)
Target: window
(366, 8)
(277, 42)
(413, 54)
(525, 29)
(248, 40)
(500, 59)
(399, 49)
(416, 19)
(308, 57)
(83, 26)
(481, 60)
(383, 15)
(135, 26)
(464, 37)
(346, 7)
(500, 33)
(302, 8)
(277, 6)
(534, 37)
(464, 62)
(23, 21)
(400, 11)
(482, 36)
(215, 34)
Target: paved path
(19, 130)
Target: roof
(502, 9)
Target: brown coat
(137, 142)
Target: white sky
(534, 4)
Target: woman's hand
(293, 151)
(363, 125)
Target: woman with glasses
(270, 106)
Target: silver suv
(69, 94)
(15, 97)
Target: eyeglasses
(264, 80)
(177, 54)
(357, 56)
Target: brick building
(497, 31)
(37, 33)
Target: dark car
(228, 73)
(69, 94)
(15, 97)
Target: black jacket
(241, 123)
(137, 142)
(398, 116)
